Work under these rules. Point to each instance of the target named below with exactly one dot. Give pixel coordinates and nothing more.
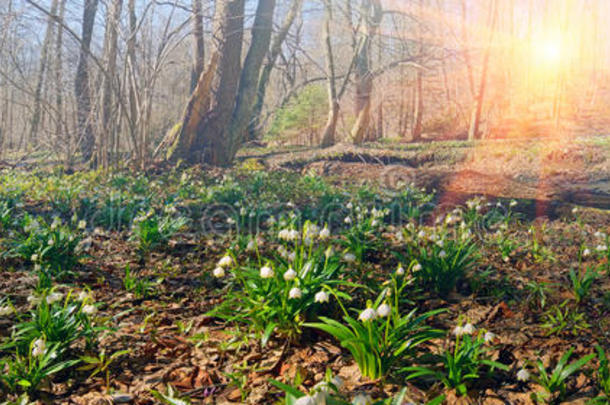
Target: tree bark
(475, 121)
(81, 83)
(42, 70)
(328, 134)
(372, 14)
(276, 48)
(198, 44)
(248, 82)
(108, 117)
(201, 137)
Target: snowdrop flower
(440, 243)
(367, 315)
(226, 261)
(523, 375)
(251, 245)
(489, 337)
(292, 256)
(6, 310)
(267, 272)
(513, 203)
(51, 242)
(39, 348)
(218, 272)
(324, 233)
(400, 271)
(362, 399)
(468, 329)
(349, 205)
(270, 221)
(243, 211)
(349, 257)
(306, 400)
(601, 248)
(586, 252)
(442, 254)
(421, 234)
(417, 267)
(458, 331)
(34, 257)
(347, 220)
(293, 234)
(54, 297)
(33, 300)
(374, 222)
(308, 241)
(89, 310)
(321, 296)
(575, 210)
(599, 234)
(383, 310)
(295, 293)
(290, 274)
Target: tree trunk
(201, 137)
(372, 14)
(42, 70)
(81, 82)
(276, 48)
(61, 131)
(132, 85)
(418, 112)
(108, 117)
(328, 134)
(478, 107)
(198, 44)
(246, 95)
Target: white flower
(290, 274)
(575, 210)
(82, 224)
(374, 222)
(89, 310)
(34, 257)
(6, 310)
(586, 252)
(251, 245)
(362, 399)
(54, 297)
(226, 261)
(601, 248)
(367, 315)
(243, 211)
(295, 293)
(489, 337)
(349, 206)
(267, 272)
(292, 256)
(293, 234)
(83, 296)
(218, 272)
(324, 233)
(383, 310)
(347, 220)
(308, 241)
(33, 300)
(523, 375)
(421, 234)
(468, 329)
(39, 348)
(349, 257)
(306, 400)
(400, 271)
(337, 382)
(513, 203)
(442, 254)
(51, 242)
(458, 331)
(417, 267)
(321, 296)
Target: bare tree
(81, 82)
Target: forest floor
(176, 325)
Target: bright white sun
(549, 51)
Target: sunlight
(549, 51)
